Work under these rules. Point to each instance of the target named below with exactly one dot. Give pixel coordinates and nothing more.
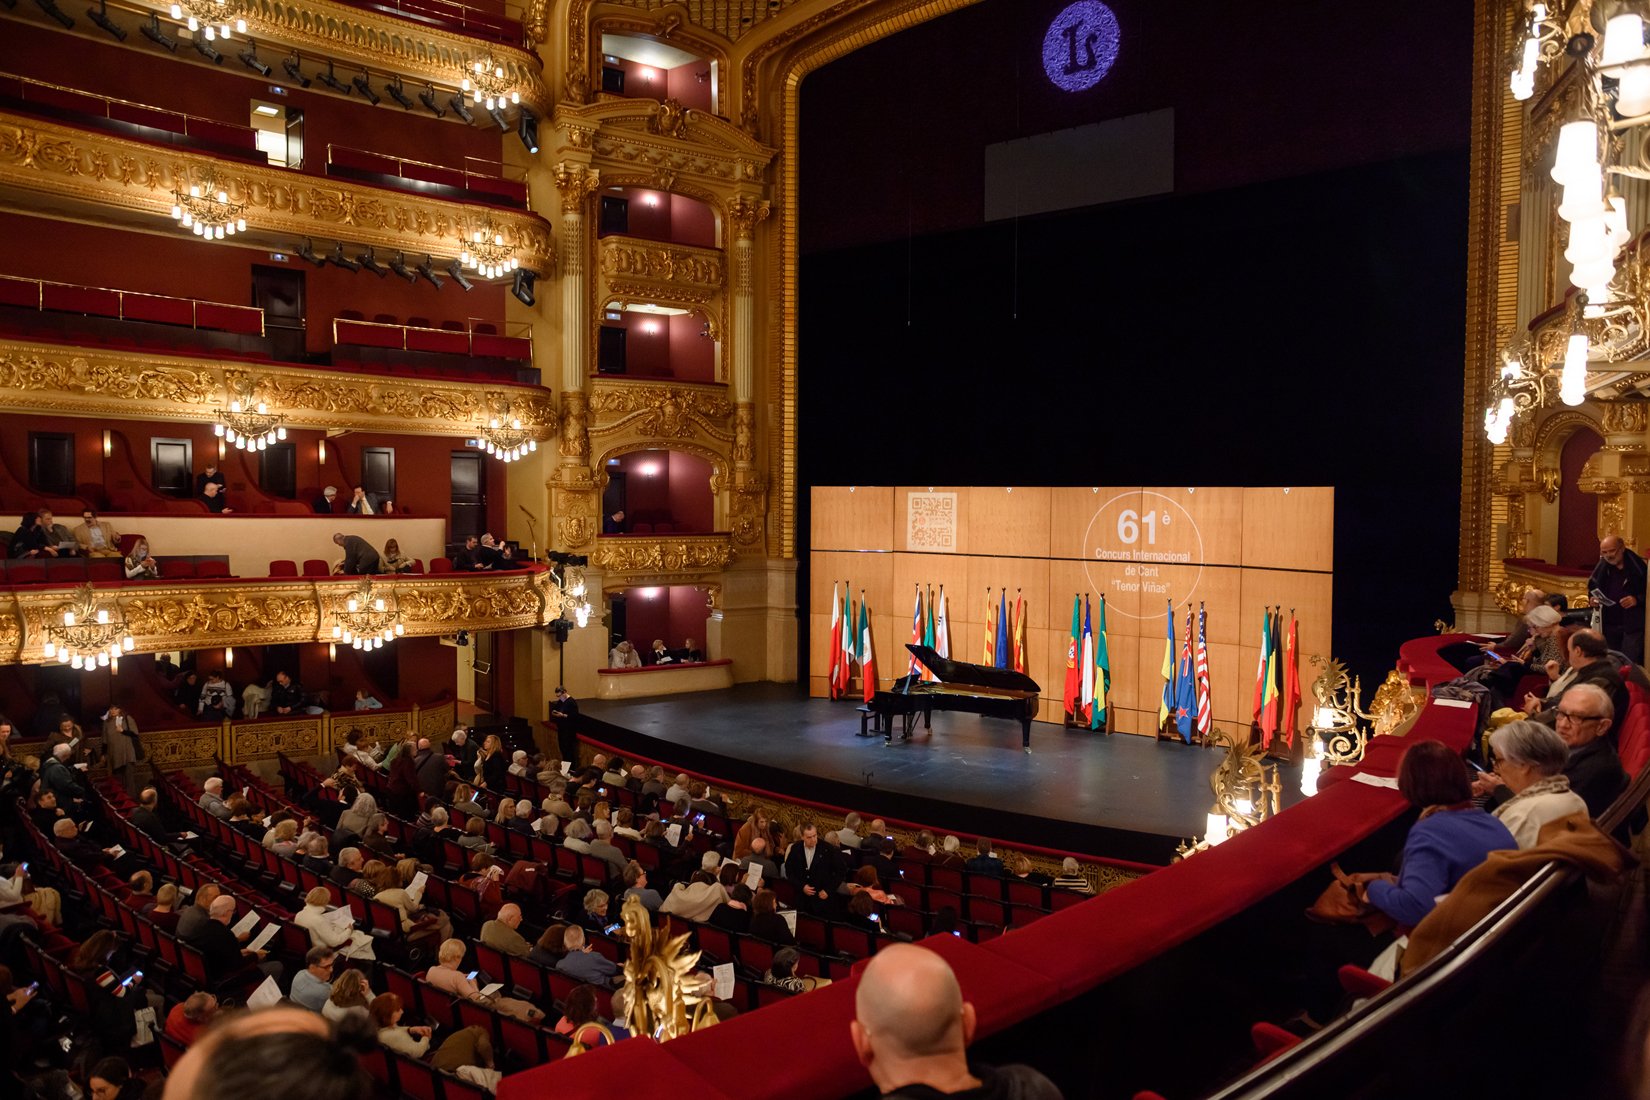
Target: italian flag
(836, 642)
(867, 653)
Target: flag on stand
(942, 626)
(836, 642)
(916, 668)
(1102, 673)
(928, 632)
(1260, 664)
(1185, 686)
(1000, 649)
(1269, 701)
(1074, 645)
(988, 656)
(1291, 680)
(1085, 696)
(1204, 717)
(1019, 633)
(845, 671)
(1165, 706)
(867, 653)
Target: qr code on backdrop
(931, 521)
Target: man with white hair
(225, 957)
(58, 776)
(912, 1029)
(501, 933)
(602, 848)
(583, 963)
(848, 835)
(1583, 717)
(518, 763)
(463, 751)
(77, 849)
(211, 799)
(1071, 877)
(678, 790)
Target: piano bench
(866, 716)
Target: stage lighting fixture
(207, 50)
(100, 16)
(330, 79)
(308, 252)
(295, 71)
(527, 129)
(427, 269)
(370, 262)
(427, 97)
(398, 93)
(151, 30)
(340, 260)
(249, 58)
(522, 287)
(50, 8)
(365, 86)
(456, 270)
(498, 117)
(459, 109)
(399, 266)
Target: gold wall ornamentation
(235, 612)
(744, 434)
(575, 183)
(748, 508)
(575, 425)
(677, 556)
(195, 747)
(437, 722)
(262, 738)
(644, 270)
(1623, 417)
(385, 727)
(745, 213)
(662, 411)
(97, 382)
(57, 162)
(622, 136)
(1518, 532)
(1509, 592)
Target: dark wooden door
(278, 470)
(615, 621)
(613, 495)
(279, 292)
(615, 215)
(51, 463)
(378, 474)
(485, 650)
(172, 467)
(610, 350)
(469, 494)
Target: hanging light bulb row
(86, 635)
(486, 253)
(207, 212)
(249, 429)
(368, 620)
(213, 18)
(488, 86)
(507, 440)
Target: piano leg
(1025, 733)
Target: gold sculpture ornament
(667, 996)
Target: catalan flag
(988, 655)
(1291, 680)
(1019, 633)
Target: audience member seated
(226, 959)
(467, 1053)
(349, 998)
(781, 973)
(212, 476)
(985, 861)
(312, 985)
(1584, 717)
(446, 976)
(911, 1031)
(735, 913)
(690, 651)
(215, 500)
(613, 524)
(359, 505)
(287, 695)
(32, 539)
(579, 1013)
(211, 799)
(325, 503)
(163, 914)
(59, 779)
(501, 933)
(1529, 762)
(140, 565)
(217, 698)
(660, 655)
(96, 538)
(624, 655)
(1589, 658)
(392, 559)
(190, 1016)
(583, 963)
(1071, 877)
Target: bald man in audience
(912, 1029)
(501, 933)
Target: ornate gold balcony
(39, 377)
(266, 611)
(52, 166)
(626, 411)
(627, 560)
(637, 270)
(1552, 579)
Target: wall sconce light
(648, 469)
(108, 444)
(321, 450)
(332, 652)
(647, 74)
(229, 657)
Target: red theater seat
(26, 572)
(19, 292)
(176, 569)
(441, 565)
(212, 569)
(315, 567)
(283, 568)
(105, 569)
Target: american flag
(1204, 718)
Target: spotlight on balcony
(498, 116)
(330, 79)
(364, 86)
(207, 50)
(459, 109)
(308, 252)
(456, 270)
(427, 97)
(151, 30)
(370, 262)
(50, 8)
(100, 16)
(527, 129)
(399, 266)
(249, 58)
(398, 93)
(522, 287)
(295, 71)
(340, 260)
(427, 269)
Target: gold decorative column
(1619, 474)
(574, 497)
(749, 503)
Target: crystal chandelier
(567, 573)
(368, 619)
(207, 211)
(506, 440)
(487, 84)
(486, 253)
(249, 429)
(87, 636)
(215, 16)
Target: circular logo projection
(1080, 46)
(1156, 538)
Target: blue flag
(1185, 706)
(1002, 655)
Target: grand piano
(971, 689)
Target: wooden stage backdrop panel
(1146, 549)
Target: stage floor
(1123, 796)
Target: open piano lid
(960, 672)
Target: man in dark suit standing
(564, 712)
(1621, 576)
(815, 869)
(463, 751)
